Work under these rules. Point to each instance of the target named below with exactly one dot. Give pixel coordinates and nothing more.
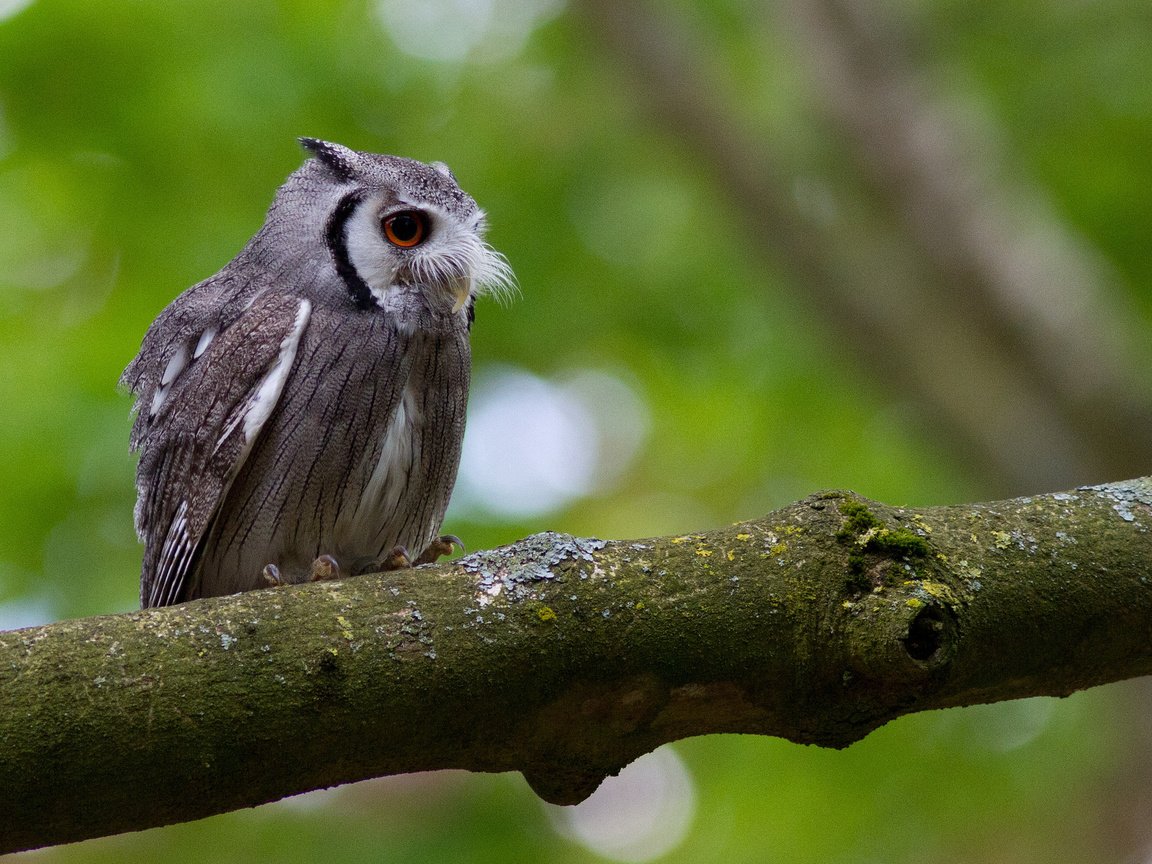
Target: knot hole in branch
(927, 634)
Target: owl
(299, 415)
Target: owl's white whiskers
(470, 261)
(493, 275)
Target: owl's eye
(406, 229)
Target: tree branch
(567, 658)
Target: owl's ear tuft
(336, 156)
(443, 170)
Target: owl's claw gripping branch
(401, 559)
(397, 559)
(325, 568)
(442, 546)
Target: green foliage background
(140, 143)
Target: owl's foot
(443, 545)
(325, 568)
(401, 559)
(397, 559)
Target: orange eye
(406, 229)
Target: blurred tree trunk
(930, 255)
(566, 658)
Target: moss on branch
(566, 658)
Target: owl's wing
(205, 413)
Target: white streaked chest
(396, 468)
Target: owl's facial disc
(396, 246)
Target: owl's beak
(462, 290)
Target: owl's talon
(397, 559)
(325, 568)
(443, 545)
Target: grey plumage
(309, 398)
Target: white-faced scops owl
(299, 415)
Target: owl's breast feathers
(359, 455)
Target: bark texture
(566, 658)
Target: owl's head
(400, 233)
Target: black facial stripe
(336, 236)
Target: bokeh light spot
(452, 31)
(639, 815)
(534, 445)
(8, 8)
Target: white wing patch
(176, 365)
(272, 386)
(257, 408)
(205, 340)
(172, 371)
